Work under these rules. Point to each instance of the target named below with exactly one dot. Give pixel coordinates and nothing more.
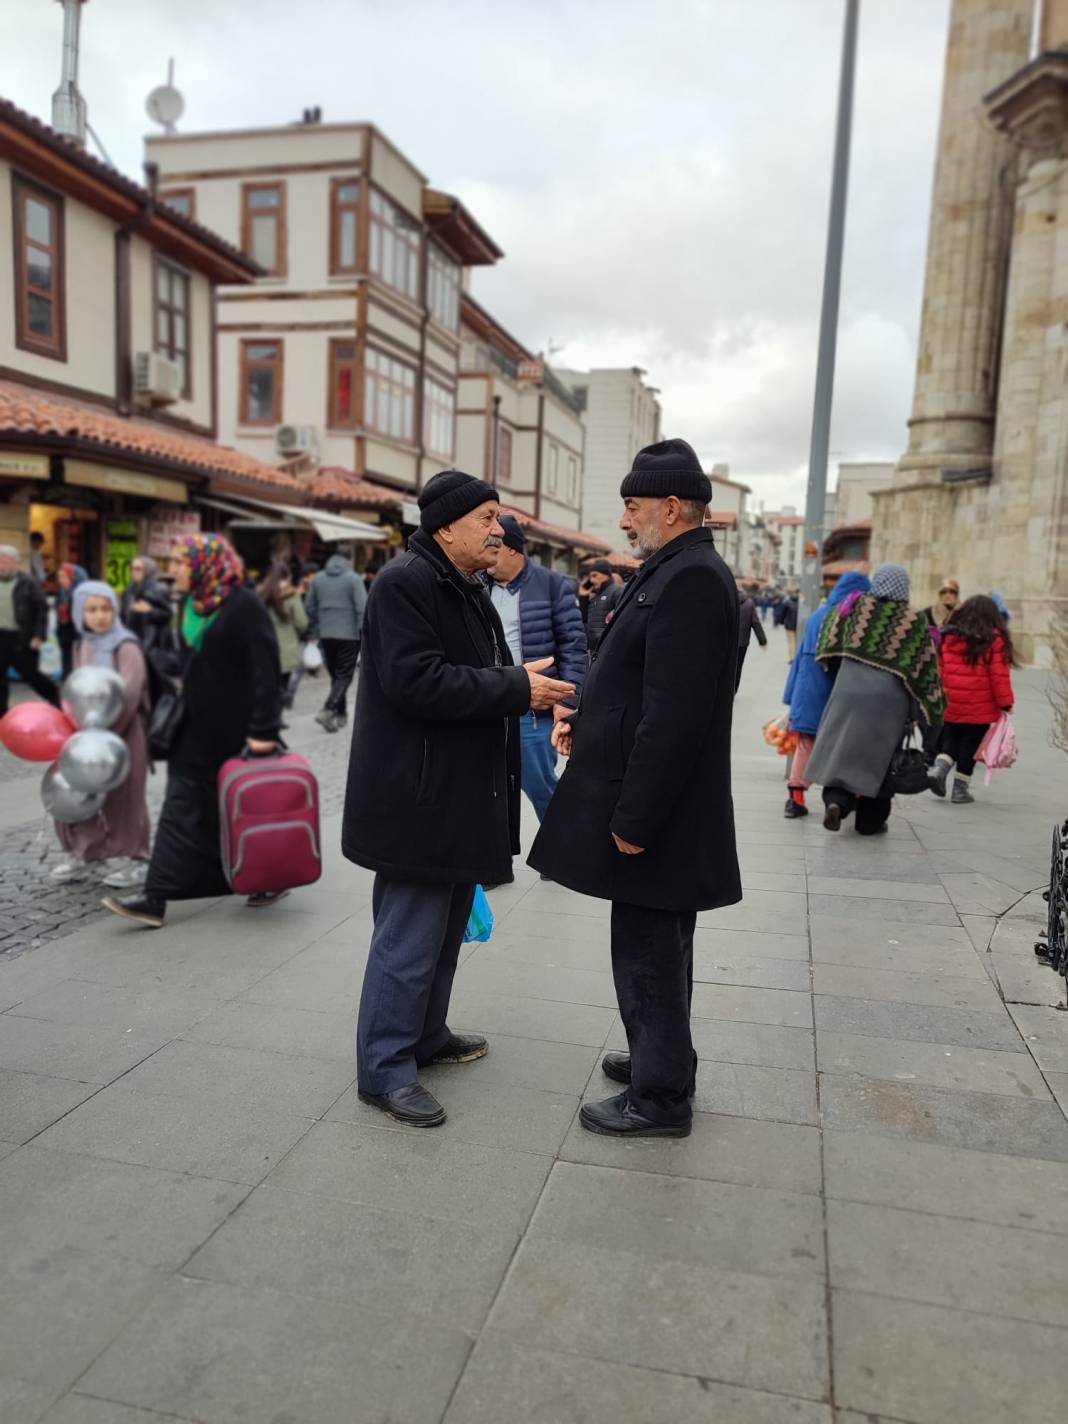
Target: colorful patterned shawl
(888, 635)
(217, 568)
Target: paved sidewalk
(201, 1222)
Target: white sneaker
(69, 868)
(129, 876)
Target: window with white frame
(443, 288)
(439, 418)
(552, 480)
(389, 396)
(394, 245)
(571, 493)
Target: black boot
(794, 809)
(145, 909)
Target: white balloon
(93, 696)
(63, 803)
(94, 760)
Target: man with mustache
(643, 814)
(432, 804)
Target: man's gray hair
(693, 510)
(8, 551)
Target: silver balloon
(63, 803)
(93, 696)
(94, 760)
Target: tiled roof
(576, 538)
(722, 519)
(34, 413)
(337, 486)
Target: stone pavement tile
(287, 1242)
(522, 923)
(763, 1045)
(85, 1054)
(965, 1028)
(915, 867)
(232, 1140)
(862, 910)
(503, 1381)
(1045, 1034)
(157, 1010)
(217, 970)
(31, 972)
(936, 1366)
(682, 1219)
(275, 1028)
(84, 1409)
(30, 1102)
(764, 1332)
(734, 967)
(772, 879)
(422, 1173)
(1021, 872)
(537, 981)
(321, 979)
(485, 1111)
(522, 1063)
(220, 1073)
(751, 944)
(219, 1354)
(935, 989)
(557, 900)
(481, 1012)
(753, 914)
(1025, 979)
(789, 838)
(784, 1007)
(51, 1201)
(975, 894)
(985, 1122)
(507, 948)
(934, 1065)
(911, 949)
(877, 889)
(742, 1090)
(70, 1305)
(785, 856)
(947, 1181)
(22, 1402)
(1000, 1270)
(6, 1148)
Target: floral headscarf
(217, 569)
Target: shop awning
(262, 514)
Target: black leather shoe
(616, 1066)
(832, 817)
(142, 908)
(411, 1104)
(616, 1118)
(794, 809)
(460, 1048)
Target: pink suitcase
(269, 818)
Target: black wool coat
(433, 788)
(231, 688)
(652, 744)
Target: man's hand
(142, 605)
(260, 748)
(545, 692)
(625, 847)
(562, 729)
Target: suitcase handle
(280, 748)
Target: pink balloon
(35, 731)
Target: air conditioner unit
(157, 379)
(294, 439)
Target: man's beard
(642, 547)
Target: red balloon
(35, 731)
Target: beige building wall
(857, 480)
(142, 277)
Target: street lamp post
(811, 582)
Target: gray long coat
(862, 725)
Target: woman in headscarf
(230, 697)
(290, 622)
(887, 678)
(68, 579)
(120, 835)
(146, 604)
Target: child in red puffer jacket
(976, 656)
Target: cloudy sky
(657, 173)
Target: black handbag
(908, 769)
(164, 724)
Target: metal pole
(811, 582)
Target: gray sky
(657, 172)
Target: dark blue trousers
(539, 760)
(407, 984)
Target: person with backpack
(976, 657)
(118, 839)
(230, 704)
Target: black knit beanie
(669, 467)
(514, 534)
(449, 496)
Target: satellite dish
(165, 106)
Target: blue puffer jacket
(550, 623)
(809, 685)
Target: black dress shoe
(616, 1118)
(143, 908)
(795, 809)
(616, 1066)
(832, 817)
(411, 1104)
(460, 1048)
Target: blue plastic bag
(480, 921)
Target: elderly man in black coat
(432, 804)
(643, 815)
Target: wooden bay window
(172, 319)
(40, 316)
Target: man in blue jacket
(540, 612)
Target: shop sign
(167, 526)
(24, 467)
(410, 512)
(122, 544)
(105, 477)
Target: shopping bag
(779, 734)
(480, 921)
(998, 748)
